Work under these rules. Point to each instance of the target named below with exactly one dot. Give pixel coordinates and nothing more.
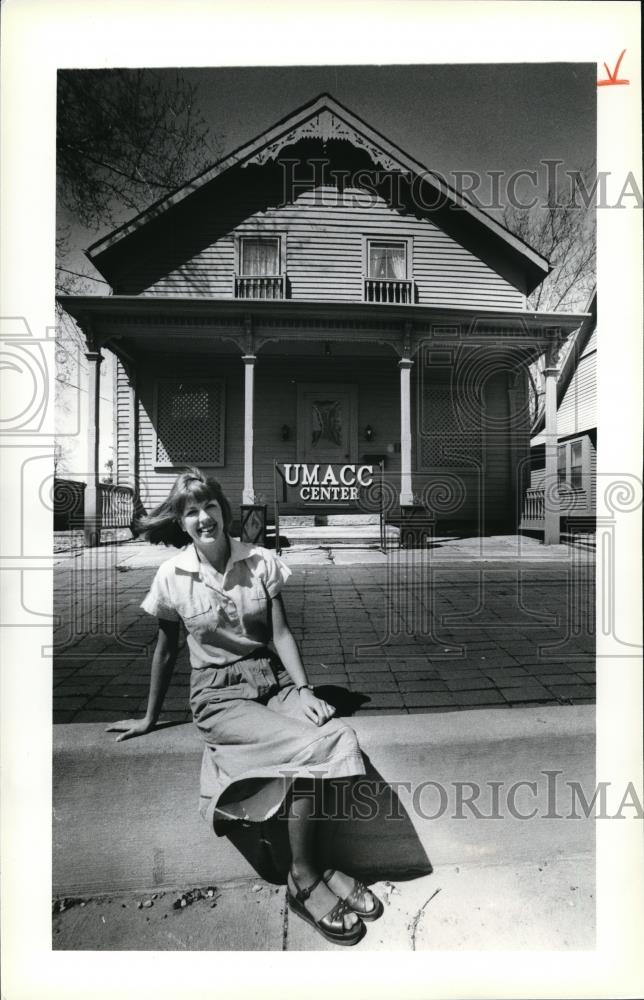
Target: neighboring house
(319, 297)
(576, 436)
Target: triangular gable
(326, 119)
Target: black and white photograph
(337, 532)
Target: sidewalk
(468, 623)
(540, 905)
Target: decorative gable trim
(325, 126)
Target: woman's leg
(305, 799)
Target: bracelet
(302, 686)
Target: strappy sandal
(355, 898)
(331, 925)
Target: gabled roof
(325, 118)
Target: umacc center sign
(316, 482)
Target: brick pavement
(397, 638)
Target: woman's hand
(315, 708)
(130, 728)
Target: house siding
(122, 463)
(325, 235)
(577, 411)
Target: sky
(452, 118)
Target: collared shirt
(225, 615)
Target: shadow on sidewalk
(368, 832)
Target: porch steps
(340, 529)
(328, 520)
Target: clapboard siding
(577, 411)
(591, 346)
(324, 255)
(592, 448)
(124, 474)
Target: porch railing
(399, 292)
(534, 508)
(572, 501)
(259, 287)
(117, 505)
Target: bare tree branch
(123, 138)
(563, 231)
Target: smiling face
(203, 520)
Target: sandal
(355, 897)
(331, 925)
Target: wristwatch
(302, 686)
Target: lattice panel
(443, 438)
(190, 422)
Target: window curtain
(387, 263)
(259, 257)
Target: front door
(327, 423)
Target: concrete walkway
(538, 905)
(501, 621)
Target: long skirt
(258, 740)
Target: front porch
(435, 396)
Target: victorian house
(320, 298)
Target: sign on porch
(330, 485)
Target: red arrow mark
(613, 80)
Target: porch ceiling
(139, 324)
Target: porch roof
(116, 316)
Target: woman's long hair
(163, 525)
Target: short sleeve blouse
(226, 616)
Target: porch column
(133, 444)
(92, 520)
(249, 360)
(516, 400)
(406, 492)
(552, 525)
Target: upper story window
(259, 268)
(387, 261)
(387, 278)
(259, 257)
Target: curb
(125, 814)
